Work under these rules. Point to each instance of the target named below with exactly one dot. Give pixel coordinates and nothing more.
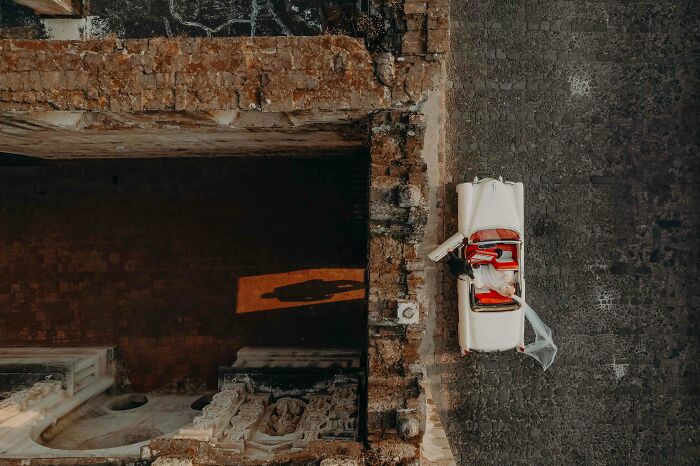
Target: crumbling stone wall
(280, 74)
(291, 75)
(398, 214)
(277, 74)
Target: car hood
(496, 204)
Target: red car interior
(491, 297)
(481, 256)
(478, 256)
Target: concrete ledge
(80, 134)
(52, 7)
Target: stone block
(410, 196)
(384, 68)
(407, 312)
(411, 7)
(339, 462)
(438, 19)
(415, 22)
(413, 43)
(384, 148)
(172, 462)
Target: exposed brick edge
(398, 215)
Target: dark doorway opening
(180, 262)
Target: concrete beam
(80, 134)
(52, 7)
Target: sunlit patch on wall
(299, 288)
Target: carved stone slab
(342, 417)
(216, 415)
(314, 421)
(282, 417)
(297, 396)
(51, 7)
(257, 357)
(248, 415)
(23, 399)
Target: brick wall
(398, 215)
(276, 74)
(145, 255)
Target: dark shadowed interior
(180, 262)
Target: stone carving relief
(283, 417)
(341, 421)
(267, 410)
(315, 420)
(248, 414)
(265, 423)
(221, 406)
(23, 399)
(216, 415)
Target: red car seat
(491, 297)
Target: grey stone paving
(593, 105)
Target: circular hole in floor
(201, 402)
(104, 422)
(128, 402)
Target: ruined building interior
(213, 227)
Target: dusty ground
(594, 107)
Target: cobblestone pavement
(593, 105)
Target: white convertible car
(489, 247)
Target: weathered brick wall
(280, 74)
(272, 74)
(145, 255)
(398, 214)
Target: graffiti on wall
(221, 18)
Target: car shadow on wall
(298, 288)
(313, 290)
